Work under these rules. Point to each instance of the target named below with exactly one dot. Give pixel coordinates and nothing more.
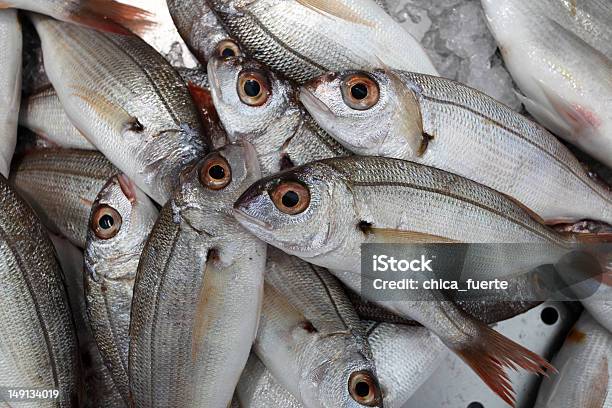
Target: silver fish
(61, 186)
(127, 100)
(282, 132)
(302, 39)
(405, 357)
(257, 388)
(38, 339)
(121, 220)
(198, 290)
(311, 339)
(549, 47)
(106, 15)
(10, 85)
(44, 115)
(201, 29)
(98, 386)
(450, 126)
(323, 212)
(585, 372)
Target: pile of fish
(191, 237)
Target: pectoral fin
(112, 16)
(389, 235)
(336, 9)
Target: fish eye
(253, 88)
(291, 197)
(228, 48)
(360, 92)
(364, 389)
(106, 222)
(216, 173)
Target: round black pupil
(362, 389)
(217, 172)
(359, 91)
(228, 52)
(252, 88)
(106, 221)
(291, 199)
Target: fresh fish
(10, 85)
(255, 104)
(106, 15)
(198, 290)
(585, 372)
(405, 357)
(447, 125)
(302, 39)
(98, 386)
(257, 388)
(567, 82)
(323, 212)
(201, 30)
(121, 220)
(38, 339)
(127, 100)
(311, 339)
(61, 186)
(44, 115)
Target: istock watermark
(503, 272)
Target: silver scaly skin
(311, 339)
(585, 369)
(44, 115)
(61, 186)
(38, 338)
(282, 132)
(450, 126)
(302, 39)
(257, 388)
(121, 220)
(10, 85)
(323, 211)
(198, 290)
(127, 100)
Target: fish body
(302, 39)
(38, 339)
(569, 91)
(61, 186)
(311, 339)
(121, 219)
(198, 290)
(10, 85)
(126, 100)
(44, 115)
(444, 124)
(405, 357)
(585, 373)
(257, 388)
(282, 132)
(324, 211)
(106, 15)
(199, 27)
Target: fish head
(122, 217)
(210, 187)
(248, 96)
(340, 379)
(361, 110)
(305, 211)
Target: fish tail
(112, 16)
(490, 352)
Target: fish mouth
(243, 218)
(312, 103)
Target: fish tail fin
(490, 352)
(112, 16)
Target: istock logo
(384, 263)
